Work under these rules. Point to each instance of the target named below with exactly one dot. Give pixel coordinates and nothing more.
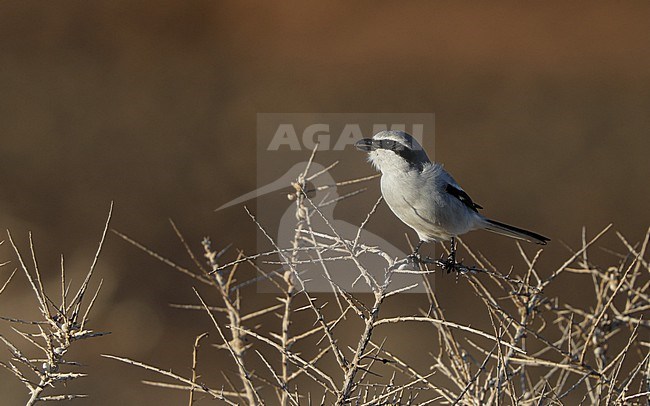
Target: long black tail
(515, 232)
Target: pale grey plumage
(424, 195)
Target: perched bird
(426, 197)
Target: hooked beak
(365, 144)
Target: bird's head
(394, 151)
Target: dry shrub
(539, 350)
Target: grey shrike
(426, 197)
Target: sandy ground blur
(541, 114)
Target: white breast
(418, 199)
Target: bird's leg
(450, 263)
(452, 252)
(417, 247)
(416, 253)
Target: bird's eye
(389, 145)
(394, 146)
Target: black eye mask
(389, 145)
(400, 149)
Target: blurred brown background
(541, 114)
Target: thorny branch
(60, 326)
(540, 349)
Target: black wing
(463, 197)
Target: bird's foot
(449, 264)
(415, 257)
